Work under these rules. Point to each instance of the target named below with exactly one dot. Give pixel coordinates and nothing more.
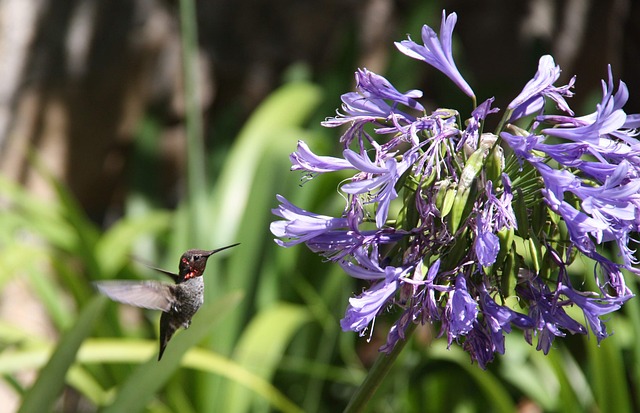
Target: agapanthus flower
(437, 209)
(532, 98)
(300, 225)
(381, 179)
(487, 243)
(363, 309)
(478, 115)
(461, 310)
(305, 160)
(546, 309)
(438, 52)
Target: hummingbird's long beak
(210, 253)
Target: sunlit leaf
(147, 379)
(113, 249)
(50, 381)
(262, 346)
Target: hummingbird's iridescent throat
(193, 262)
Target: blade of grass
(261, 347)
(570, 380)
(178, 399)
(633, 311)
(83, 381)
(608, 376)
(86, 233)
(213, 363)
(25, 262)
(196, 168)
(49, 384)
(234, 202)
(140, 387)
(376, 375)
(114, 247)
(285, 109)
(493, 390)
(27, 211)
(119, 351)
(529, 371)
(49, 293)
(251, 274)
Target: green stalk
(196, 169)
(378, 372)
(503, 122)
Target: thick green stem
(378, 372)
(196, 170)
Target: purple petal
(486, 247)
(438, 53)
(374, 86)
(362, 162)
(531, 99)
(300, 225)
(364, 308)
(593, 308)
(304, 159)
(461, 311)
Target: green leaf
(114, 247)
(496, 394)
(50, 382)
(140, 387)
(509, 274)
(530, 372)
(137, 351)
(444, 198)
(210, 362)
(495, 164)
(240, 203)
(49, 293)
(83, 381)
(262, 346)
(25, 210)
(608, 375)
(284, 109)
(574, 393)
(522, 214)
(28, 262)
(71, 213)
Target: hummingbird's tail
(167, 329)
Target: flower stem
(196, 165)
(378, 372)
(503, 121)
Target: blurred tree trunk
(503, 41)
(78, 75)
(83, 72)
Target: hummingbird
(178, 302)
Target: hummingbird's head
(194, 262)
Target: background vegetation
(268, 337)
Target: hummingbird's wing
(153, 295)
(173, 275)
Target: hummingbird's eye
(196, 257)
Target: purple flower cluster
(444, 221)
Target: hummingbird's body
(188, 296)
(179, 302)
